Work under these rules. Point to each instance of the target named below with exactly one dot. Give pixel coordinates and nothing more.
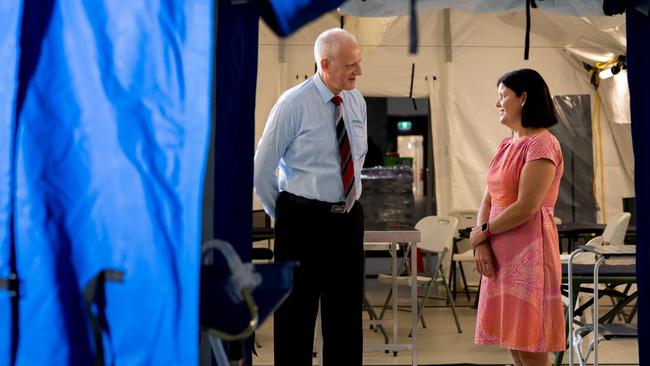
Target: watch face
(484, 227)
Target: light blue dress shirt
(300, 140)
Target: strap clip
(10, 284)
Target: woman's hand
(484, 259)
(477, 236)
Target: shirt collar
(323, 90)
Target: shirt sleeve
(276, 138)
(364, 114)
(544, 146)
(359, 140)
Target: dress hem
(519, 348)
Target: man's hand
(484, 259)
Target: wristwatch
(485, 228)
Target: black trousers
(329, 248)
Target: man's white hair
(327, 44)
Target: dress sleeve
(544, 146)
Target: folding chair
(462, 251)
(437, 235)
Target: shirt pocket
(359, 138)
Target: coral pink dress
(520, 308)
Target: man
(316, 136)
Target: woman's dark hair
(538, 110)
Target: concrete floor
(440, 343)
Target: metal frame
(602, 253)
(409, 237)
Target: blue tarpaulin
(10, 13)
(105, 172)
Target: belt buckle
(337, 209)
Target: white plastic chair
(583, 259)
(614, 233)
(466, 218)
(436, 236)
(462, 252)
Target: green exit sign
(404, 125)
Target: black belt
(336, 207)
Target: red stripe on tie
(348, 174)
(345, 150)
(347, 163)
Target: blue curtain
(638, 56)
(10, 13)
(287, 16)
(234, 114)
(112, 118)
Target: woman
(516, 243)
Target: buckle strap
(95, 294)
(10, 284)
(336, 207)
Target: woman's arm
(482, 216)
(484, 209)
(534, 182)
(483, 256)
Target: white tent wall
(590, 40)
(376, 8)
(484, 48)
(465, 127)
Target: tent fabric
(284, 17)
(382, 8)
(588, 40)
(110, 146)
(574, 132)
(234, 103)
(638, 27)
(480, 48)
(10, 13)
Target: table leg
(395, 302)
(595, 320)
(373, 316)
(414, 304)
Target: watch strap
(486, 229)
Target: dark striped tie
(347, 165)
